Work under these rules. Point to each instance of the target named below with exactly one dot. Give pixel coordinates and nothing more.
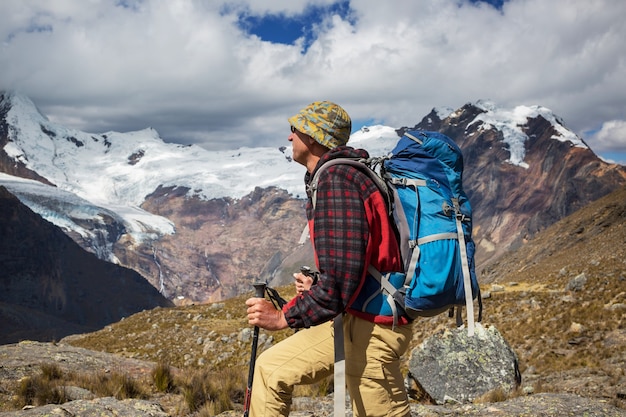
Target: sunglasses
(293, 129)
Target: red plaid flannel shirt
(349, 230)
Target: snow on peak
(510, 123)
(377, 140)
(123, 168)
(443, 112)
(22, 103)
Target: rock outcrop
(221, 246)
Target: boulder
(452, 366)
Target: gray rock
(577, 283)
(245, 335)
(497, 288)
(77, 393)
(451, 366)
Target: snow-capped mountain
(184, 216)
(511, 122)
(110, 174)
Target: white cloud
(612, 136)
(186, 69)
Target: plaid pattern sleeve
(340, 235)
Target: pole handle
(259, 289)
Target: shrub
(162, 377)
(123, 387)
(38, 390)
(114, 384)
(206, 393)
(51, 371)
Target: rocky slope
(51, 287)
(221, 246)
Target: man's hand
(262, 313)
(303, 282)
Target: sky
(228, 74)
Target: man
(349, 230)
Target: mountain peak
(513, 123)
(21, 103)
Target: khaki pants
(373, 373)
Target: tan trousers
(373, 373)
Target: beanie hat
(324, 121)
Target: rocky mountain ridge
(514, 202)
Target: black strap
(275, 298)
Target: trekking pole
(259, 292)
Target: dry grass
(213, 393)
(163, 377)
(50, 384)
(41, 389)
(201, 392)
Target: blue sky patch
(280, 28)
(495, 3)
(129, 4)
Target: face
(299, 147)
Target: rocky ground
(22, 359)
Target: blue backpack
(422, 182)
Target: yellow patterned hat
(324, 121)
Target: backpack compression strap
(387, 287)
(469, 304)
(408, 247)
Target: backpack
(421, 179)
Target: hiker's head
(324, 121)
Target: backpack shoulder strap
(312, 186)
(364, 165)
